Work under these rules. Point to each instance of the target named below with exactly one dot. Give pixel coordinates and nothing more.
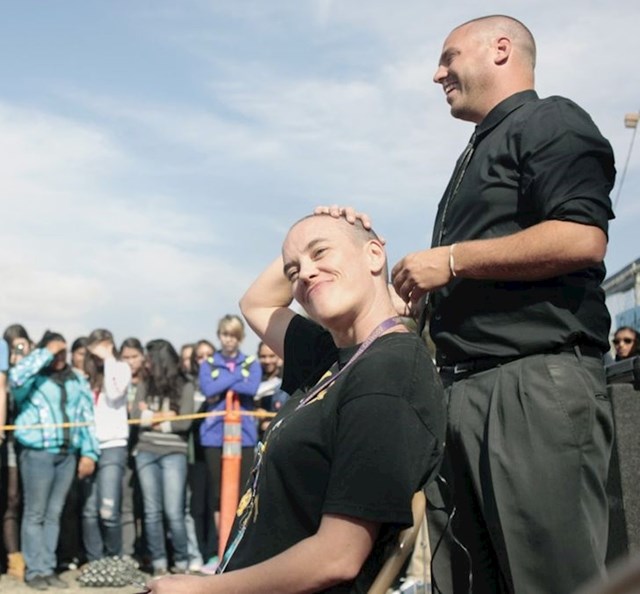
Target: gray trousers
(527, 456)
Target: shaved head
(356, 229)
(355, 232)
(498, 24)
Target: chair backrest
(402, 549)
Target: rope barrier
(261, 414)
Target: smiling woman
(366, 412)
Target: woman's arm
(265, 306)
(186, 408)
(215, 379)
(22, 376)
(139, 404)
(250, 377)
(335, 554)
(89, 444)
(117, 376)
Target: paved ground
(11, 586)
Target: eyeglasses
(617, 341)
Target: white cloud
(77, 253)
(149, 209)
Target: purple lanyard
(378, 330)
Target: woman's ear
(377, 256)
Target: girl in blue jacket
(49, 396)
(228, 369)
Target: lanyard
(377, 331)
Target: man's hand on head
(350, 214)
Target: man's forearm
(546, 250)
(543, 251)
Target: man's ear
(502, 47)
(376, 255)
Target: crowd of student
(95, 439)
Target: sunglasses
(617, 341)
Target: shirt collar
(503, 109)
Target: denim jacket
(39, 401)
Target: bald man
(512, 287)
(333, 484)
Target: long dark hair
(48, 337)
(195, 366)
(94, 366)
(131, 343)
(166, 378)
(79, 343)
(15, 331)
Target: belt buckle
(459, 368)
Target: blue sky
(154, 153)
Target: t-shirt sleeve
(380, 432)
(308, 349)
(567, 165)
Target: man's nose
(440, 74)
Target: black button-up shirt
(534, 160)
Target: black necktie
(456, 180)
(454, 185)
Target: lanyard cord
(377, 331)
(456, 179)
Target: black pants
(213, 459)
(528, 448)
(202, 509)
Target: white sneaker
(195, 565)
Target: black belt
(485, 363)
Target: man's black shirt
(535, 160)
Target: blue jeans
(162, 480)
(102, 494)
(193, 548)
(46, 479)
